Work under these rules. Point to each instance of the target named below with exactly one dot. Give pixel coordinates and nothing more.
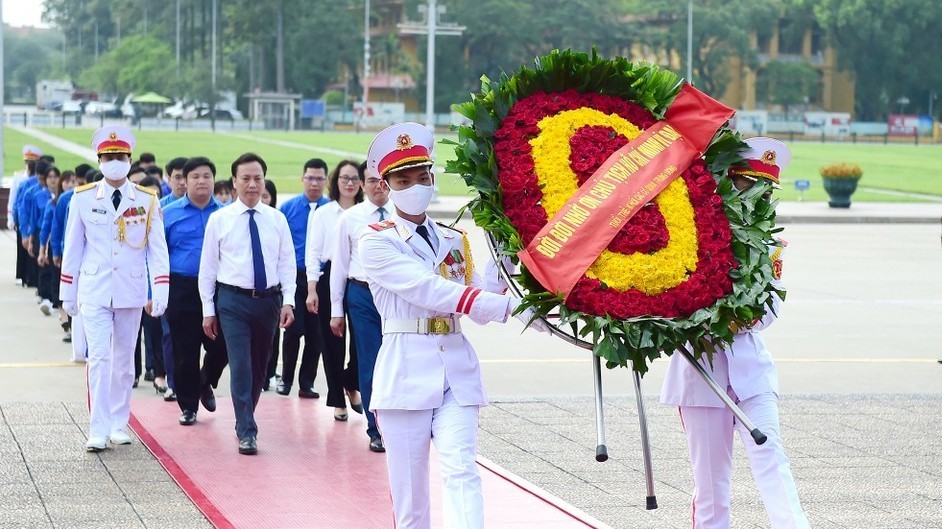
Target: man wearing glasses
(306, 325)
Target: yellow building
(835, 90)
(836, 87)
(392, 57)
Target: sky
(23, 13)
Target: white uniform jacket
(746, 366)
(107, 253)
(409, 282)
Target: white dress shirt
(321, 243)
(227, 252)
(18, 178)
(345, 261)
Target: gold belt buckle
(439, 325)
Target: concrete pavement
(857, 350)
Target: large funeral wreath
(687, 268)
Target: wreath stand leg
(757, 435)
(651, 500)
(601, 450)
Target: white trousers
(710, 439)
(454, 430)
(110, 334)
(79, 345)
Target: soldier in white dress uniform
(427, 384)
(114, 238)
(748, 373)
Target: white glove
(528, 317)
(157, 309)
(70, 307)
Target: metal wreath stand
(601, 450)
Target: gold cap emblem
(403, 142)
(769, 157)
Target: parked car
(221, 113)
(71, 108)
(108, 109)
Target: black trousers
(335, 349)
(275, 353)
(153, 344)
(185, 319)
(21, 258)
(47, 290)
(32, 267)
(308, 326)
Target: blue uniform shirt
(57, 232)
(37, 206)
(20, 215)
(297, 210)
(46, 225)
(168, 199)
(185, 227)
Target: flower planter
(839, 190)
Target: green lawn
(909, 168)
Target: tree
(138, 64)
(502, 36)
(722, 30)
(787, 83)
(30, 55)
(890, 45)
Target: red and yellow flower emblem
(671, 259)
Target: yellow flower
(841, 170)
(650, 273)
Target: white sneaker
(120, 437)
(79, 360)
(96, 444)
(45, 306)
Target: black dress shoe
(188, 418)
(248, 446)
(208, 399)
(149, 375)
(283, 389)
(376, 444)
(134, 385)
(308, 393)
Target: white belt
(445, 325)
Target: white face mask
(115, 170)
(414, 200)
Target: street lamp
(690, 42)
(432, 26)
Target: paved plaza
(857, 347)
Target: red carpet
(312, 472)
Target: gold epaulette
(86, 187)
(148, 190)
(383, 225)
